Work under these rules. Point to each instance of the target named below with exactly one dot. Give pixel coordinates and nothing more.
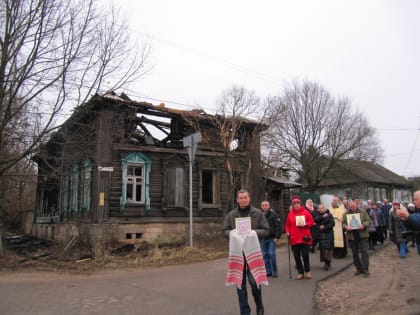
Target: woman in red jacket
(298, 229)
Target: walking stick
(288, 252)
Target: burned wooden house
(118, 169)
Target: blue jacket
(413, 221)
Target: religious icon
(300, 220)
(243, 226)
(354, 221)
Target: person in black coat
(268, 243)
(325, 223)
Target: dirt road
(392, 288)
(195, 289)
(198, 289)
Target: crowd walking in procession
(362, 226)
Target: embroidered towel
(249, 247)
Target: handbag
(306, 238)
(406, 234)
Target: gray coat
(396, 228)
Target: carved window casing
(76, 187)
(135, 179)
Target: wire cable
(412, 150)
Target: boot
(260, 310)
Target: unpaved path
(392, 288)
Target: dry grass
(165, 250)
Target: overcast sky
(368, 51)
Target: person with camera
(298, 229)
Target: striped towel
(250, 248)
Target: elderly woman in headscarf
(325, 223)
(310, 206)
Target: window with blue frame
(65, 192)
(76, 187)
(135, 179)
(86, 177)
(135, 183)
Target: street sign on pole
(190, 142)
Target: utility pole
(1, 243)
(190, 142)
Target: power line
(396, 129)
(412, 150)
(229, 64)
(400, 154)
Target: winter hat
(295, 199)
(411, 205)
(396, 202)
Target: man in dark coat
(268, 243)
(260, 225)
(385, 208)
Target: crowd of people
(360, 226)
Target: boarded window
(175, 187)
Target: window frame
(216, 203)
(135, 159)
(74, 189)
(86, 185)
(136, 180)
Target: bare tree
(310, 131)
(18, 191)
(238, 108)
(53, 56)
